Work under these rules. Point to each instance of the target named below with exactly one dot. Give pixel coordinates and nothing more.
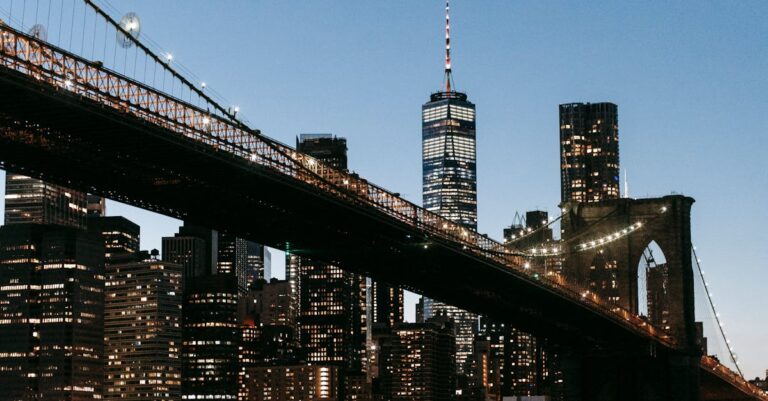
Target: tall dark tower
(589, 152)
(52, 298)
(450, 180)
(332, 302)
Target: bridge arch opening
(653, 286)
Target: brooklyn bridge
(71, 115)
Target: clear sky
(689, 79)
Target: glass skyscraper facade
(51, 313)
(450, 190)
(449, 157)
(29, 200)
(51, 295)
(589, 152)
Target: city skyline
(499, 201)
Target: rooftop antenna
(448, 76)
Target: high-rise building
(268, 324)
(232, 258)
(51, 295)
(515, 356)
(258, 263)
(29, 200)
(589, 152)
(327, 148)
(292, 383)
(387, 303)
(121, 237)
(270, 303)
(415, 361)
(51, 313)
(96, 205)
(211, 337)
(211, 328)
(332, 302)
(142, 330)
(450, 182)
(190, 252)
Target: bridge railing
(728, 375)
(83, 78)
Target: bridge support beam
(621, 376)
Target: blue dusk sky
(690, 80)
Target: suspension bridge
(92, 107)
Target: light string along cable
(720, 324)
(597, 242)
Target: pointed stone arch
(653, 290)
(665, 221)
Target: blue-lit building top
(449, 157)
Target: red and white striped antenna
(448, 76)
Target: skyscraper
(291, 383)
(258, 264)
(96, 205)
(589, 152)
(142, 320)
(211, 337)
(450, 181)
(232, 258)
(386, 303)
(29, 200)
(415, 361)
(51, 295)
(327, 148)
(332, 302)
(211, 331)
(51, 313)
(121, 237)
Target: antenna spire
(448, 76)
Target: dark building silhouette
(589, 152)
(191, 252)
(387, 303)
(415, 361)
(211, 339)
(96, 205)
(327, 148)
(332, 318)
(232, 258)
(142, 333)
(258, 264)
(332, 326)
(211, 328)
(120, 235)
(51, 313)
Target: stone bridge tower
(611, 270)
